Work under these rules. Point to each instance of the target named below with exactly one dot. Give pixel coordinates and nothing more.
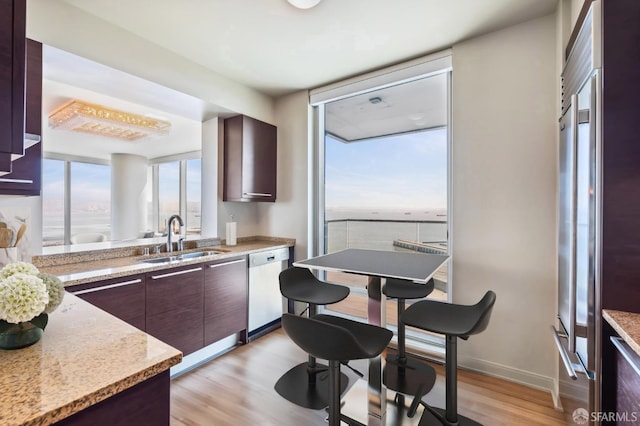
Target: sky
(406, 172)
(90, 183)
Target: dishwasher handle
(269, 256)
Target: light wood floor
(237, 389)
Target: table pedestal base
(428, 419)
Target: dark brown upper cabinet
(12, 80)
(250, 153)
(26, 171)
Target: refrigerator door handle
(564, 356)
(571, 332)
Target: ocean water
(378, 229)
(100, 222)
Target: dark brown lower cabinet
(225, 299)
(145, 404)
(175, 308)
(187, 307)
(123, 297)
(620, 379)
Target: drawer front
(124, 298)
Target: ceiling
(404, 108)
(277, 49)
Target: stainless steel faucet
(170, 231)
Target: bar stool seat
(306, 384)
(301, 285)
(402, 374)
(403, 289)
(336, 340)
(454, 321)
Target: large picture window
(76, 198)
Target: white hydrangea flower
(18, 268)
(22, 298)
(55, 289)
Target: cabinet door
(121, 297)
(33, 97)
(250, 160)
(225, 299)
(627, 395)
(26, 172)
(174, 307)
(12, 66)
(259, 160)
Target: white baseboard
(526, 378)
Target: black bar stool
(403, 374)
(336, 340)
(301, 385)
(453, 321)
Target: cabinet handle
(258, 194)
(9, 180)
(172, 274)
(227, 263)
(621, 346)
(105, 287)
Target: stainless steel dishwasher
(266, 303)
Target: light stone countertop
(627, 325)
(84, 356)
(98, 268)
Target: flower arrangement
(26, 298)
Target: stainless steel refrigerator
(577, 332)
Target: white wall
(288, 216)
(61, 25)
(32, 206)
(504, 196)
(576, 6)
(209, 186)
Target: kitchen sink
(181, 257)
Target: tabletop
(418, 267)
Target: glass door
(384, 180)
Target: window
(383, 175)
(168, 192)
(76, 197)
(88, 209)
(384, 190)
(90, 199)
(178, 192)
(194, 190)
(53, 202)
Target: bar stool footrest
(408, 377)
(294, 386)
